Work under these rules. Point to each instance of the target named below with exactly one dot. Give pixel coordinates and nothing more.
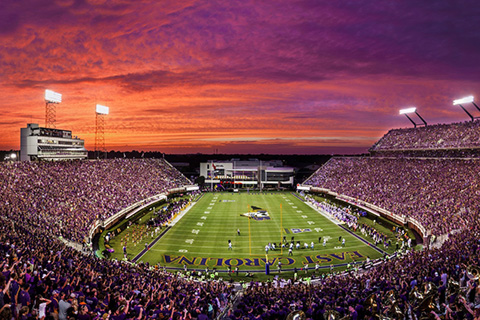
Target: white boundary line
(323, 213)
(181, 214)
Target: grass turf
(200, 238)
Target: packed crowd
(432, 283)
(441, 194)
(460, 135)
(66, 198)
(42, 278)
(432, 153)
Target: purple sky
(237, 76)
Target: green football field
(200, 239)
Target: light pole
(468, 99)
(413, 110)
(100, 114)
(51, 99)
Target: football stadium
(239, 160)
(381, 236)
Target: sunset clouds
(237, 76)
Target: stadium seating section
(439, 193)
(462, 135)
(41, 201)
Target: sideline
(169, 226)
(329, 217)
(323, 213)
(363, 240)
(180, 215)
(297, 196)
(151, 244)
(340, 224)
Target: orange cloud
(190, 76)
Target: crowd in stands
(42, 278)
(461, 135)
(66, 198)
(433, 153)
(433, 282)
(440, 194)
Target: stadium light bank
(413, 110)
(51, 99)
(100, 113)
(101, 109)
(469, 99)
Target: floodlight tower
(101, 112)
(468, 99)
(51, 99)
(413, 110)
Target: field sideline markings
(244, 245)
(363, 240)
(338, 224)
(181, 215)
(260, 247)
(319, 249)
(138, 256)
(323, 213)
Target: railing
(134, 208)
(400, 219)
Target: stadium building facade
(251, 173)
(37, 143)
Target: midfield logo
(257, 213)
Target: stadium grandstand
(456, 139)
(47, 207)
